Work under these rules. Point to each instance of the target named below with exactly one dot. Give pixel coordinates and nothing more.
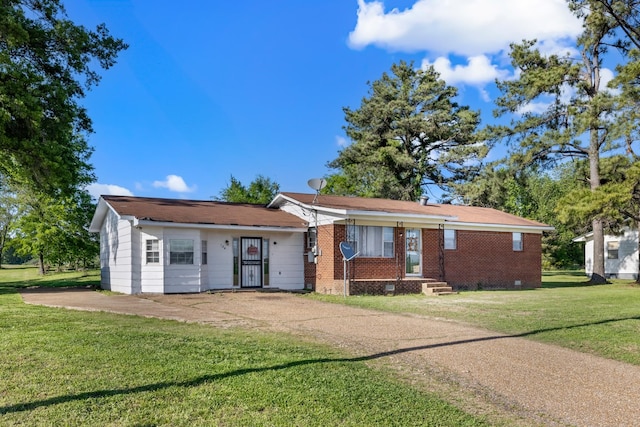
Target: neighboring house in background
(620, 254)
(150, 245)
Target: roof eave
(349, 213)
(143, 223)
(98, 216)
(496, 227)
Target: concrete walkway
(541, 384)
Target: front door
(251, 262)
(413, 257)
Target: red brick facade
(487, 260)
(481, 260)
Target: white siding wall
(124, 266)
(626, 266)
(220, 267)
(115, 254)
(180, 278)
(152, 274)
(285, 262)
(286, 266)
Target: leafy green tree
(46, 65)
(261, 191)
(55, 230)
(531, 194)
(8, 210)
(578, 119)
(407, 134)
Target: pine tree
(407, 134)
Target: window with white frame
(373, 241)
(203, 250)
(450, 241)
(612, 249)
(153, 251)
(517, 241)
(181, 251)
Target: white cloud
(534, 107)
(174, 183)
(477, 72)
(97, 190)
(462, 27)
(341, 141)
(606, 75)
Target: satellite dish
(317, 184)
(347, 251)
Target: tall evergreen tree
(578, 120)
(407, 133)
(626, 13)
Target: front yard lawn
(602, 320)
(72, 368)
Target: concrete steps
(437, 288)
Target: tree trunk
(41, 263)
(598, 276)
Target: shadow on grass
(565, 279)
(21, 407)
(75, 279)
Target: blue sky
(210, 89)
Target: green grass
(65, 367)
(602, 320)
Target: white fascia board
(497, 227)
(583, 238)
(279, 196)
(340, 213)
(98, 217)
(143, 223)
(398, 216)
(100, 214)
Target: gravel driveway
(480, 371)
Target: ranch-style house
(153, 245)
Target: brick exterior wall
(482, 259)
(309, 267)
(487, 260)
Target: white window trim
(517, 244)
(613, 245)
(152, 250)
(453, 240)
(204, 254)
(356, 240)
